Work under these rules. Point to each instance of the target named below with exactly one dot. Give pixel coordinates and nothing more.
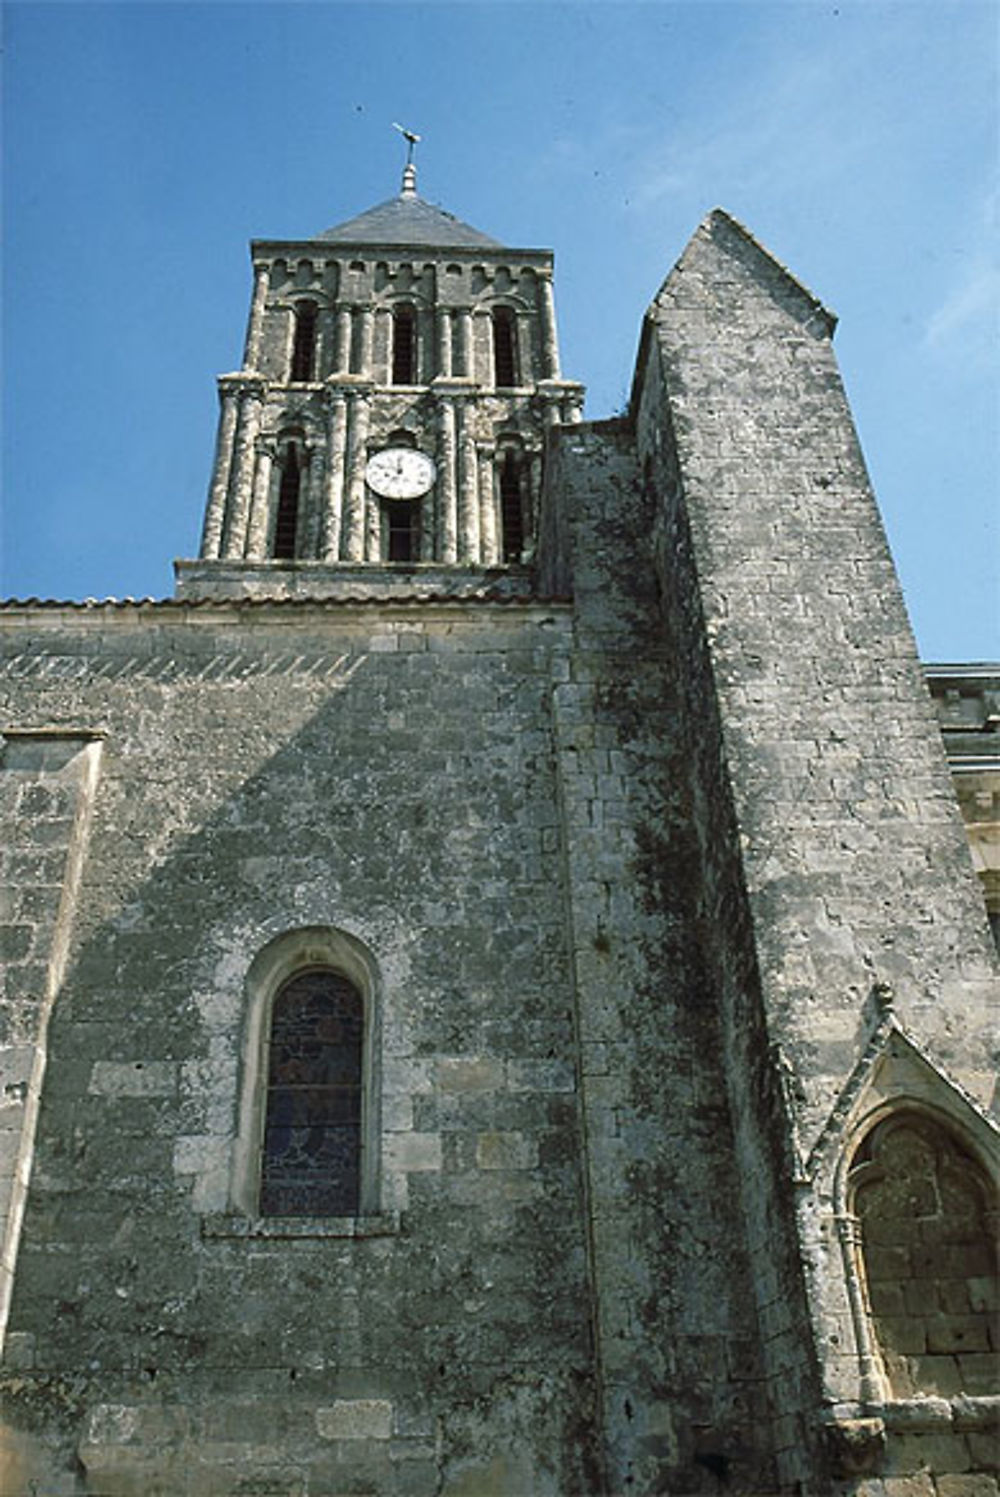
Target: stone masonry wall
(664, 910)
(47, 781)
(817, 676)
(854, 863)
(268, 769)
(763, 1138)
(685, 1405)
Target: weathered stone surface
(645, 859)
(966, 1486)
(356, 1419)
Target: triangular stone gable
(895, 1069)
(723, 255)
(723, 252)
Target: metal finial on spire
(409, 170)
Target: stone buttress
(852, 964)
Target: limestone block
(984, 1452)
(506, 1151)
(397, 1113)
(921, 1413)
(211, 1187)
(983, 1294)
(414, 1151)
(469, 1074)
(196, 1152)
(955, 1333)
(19, 1349)
(908, 1454)
(355, 1419)
(133, 1078)
(407, 1074)
(919, 1485)
(541, 1076)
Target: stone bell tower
(399, 375)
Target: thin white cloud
(969, 315)
(967, 319)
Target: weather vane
(410, 138)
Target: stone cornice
(328, 251)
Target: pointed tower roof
(408, 219)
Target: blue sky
(146, 144)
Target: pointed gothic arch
(925, 1210)
(894, 1078)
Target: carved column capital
(247, 385)
(849, 1228)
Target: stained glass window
(311, 1161)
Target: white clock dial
(400, 473)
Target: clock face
(400, 473)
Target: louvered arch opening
(504, 350)
(511, 504)
(304, 344)
(404, 346)
(286, 521)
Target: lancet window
(511, 481)
(286, 519)
(312, 1144)
(504, 347)
(403, 530)
(304, 343)
(404, 346)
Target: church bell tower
(399, 374)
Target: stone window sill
(959, 1411)
(856, 1434)
(234, 1225)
